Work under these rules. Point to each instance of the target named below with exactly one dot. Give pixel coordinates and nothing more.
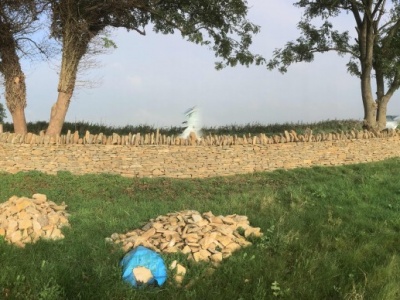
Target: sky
(154, 79)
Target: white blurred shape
(193, 122)
(392, 122)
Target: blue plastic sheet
(144, 257)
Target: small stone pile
(203, 237)
(24, 220)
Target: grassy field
(329, 233)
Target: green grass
(329, 233)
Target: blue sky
(153, 79)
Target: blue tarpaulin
(144, 257)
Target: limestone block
(142, 275)
(252, 231)
(24, 224)
(216, 257)
(39, 198)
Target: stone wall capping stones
(155, 138)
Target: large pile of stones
(25, 220)
(202, 237)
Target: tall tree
(2, 113)
(18, 21)
(221, 25)
(374, 53)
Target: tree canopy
(220, 25)
(374, 51)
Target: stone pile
(24, 220)
(202, 237)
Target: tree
(2, 113)
(374, 53)
(18, 19)
(215, 24)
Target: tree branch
(142, 32)
(339, 50)
(394, 86)
(43, 52)
(356, 12)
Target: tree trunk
(75, 44)
(15, 87)
(368, 102)
(69, 69)
(366, 36)
(370, 116)
(15, 94)
(18, 116)
(66, 85)
(381, 112)
(58, 113)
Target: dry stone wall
(159, 156)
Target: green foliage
(329, 233)
(253, 128)
(220, 25)
(277, 291)
(2, 113)
(108, 43)
(313, 39)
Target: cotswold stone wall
(157, 156)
